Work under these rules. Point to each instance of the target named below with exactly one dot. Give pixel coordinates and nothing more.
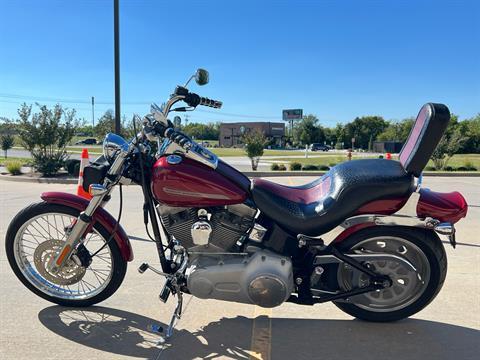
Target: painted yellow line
(261, 344)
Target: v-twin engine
(261, 278)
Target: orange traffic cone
(83, 162)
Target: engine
(216, 269)
(262, 278)
(208, 229)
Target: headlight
(112, 144)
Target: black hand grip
(210, 103)
(178, 138)
(194, 100)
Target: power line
(68, 101)
(84, 101)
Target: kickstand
(177, 314)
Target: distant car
(89, 141)
(319, 147)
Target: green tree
(470, 129)
(7, 141)
(105, 125)
(86, 130)
(363, 129)
(452, 141)
(308, 131)
(340, 135)
(210, 131)
(254, 144)
(45, 134)
(397, 131)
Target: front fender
(100, 215)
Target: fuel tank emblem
(174, 159)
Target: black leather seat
(319, 206)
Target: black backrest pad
(426, 133)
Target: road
(32, 328)
(241, 163)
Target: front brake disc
(45, 253)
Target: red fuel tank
(192, 184)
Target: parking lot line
(261, 343)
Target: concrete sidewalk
(32, 328)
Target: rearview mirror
(201, 77)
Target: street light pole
(93, 112)
(116, 30)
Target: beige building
(231, 133)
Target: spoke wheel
(36, 236)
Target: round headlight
(112, 144)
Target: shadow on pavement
(125, 333)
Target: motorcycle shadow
(125, 333)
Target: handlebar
(176, 136)
(210, 103)
(164, 128)
(194, 100)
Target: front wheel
(411, 290)
(37, 234)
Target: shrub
(14, 167)
(469, 165)
(72, 166)
(332, 164)
(45, 134)
(282, 167)
(462, 168)
(448, 168)
(254, 143)
(274, 167)
(323, 167)
(449, 145)
(430, 168)
(309, 167)
(295, 166)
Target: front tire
(36, 234)
(431, 260)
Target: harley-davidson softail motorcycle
(365, 235)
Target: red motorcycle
(365, 235)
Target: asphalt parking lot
(32, 328)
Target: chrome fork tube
(81, 225)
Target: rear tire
(118, 264)
(431, 246)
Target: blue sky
(335, 59)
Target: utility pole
(93, 112)
(116, 31)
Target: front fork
(79, 228)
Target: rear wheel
(37, 234)
(411, 290)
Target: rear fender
(424, 209)
(445, 207)
(101, 216)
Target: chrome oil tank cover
(174, 159)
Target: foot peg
(165, 293)
(143, 268)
